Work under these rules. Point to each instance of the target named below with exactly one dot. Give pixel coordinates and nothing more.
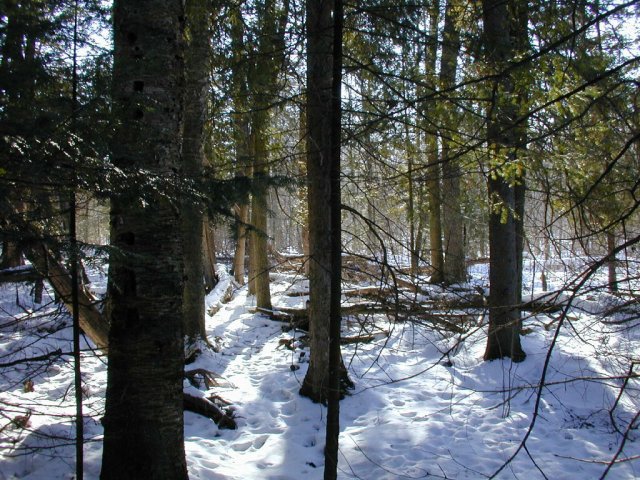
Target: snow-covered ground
(425, 404)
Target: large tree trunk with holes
(504, 313)
(143, 422)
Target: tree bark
(262, 85)
(11, 255)
(195, 108)
(209, 256)
(504, 313)
(259, 236)
(519, 16)
(453, 223)
(611, 263)
(241, 136)
(335, 357)
(319, 82)
(242, 217)
(143, 422)
(303, 193)
(434, 171)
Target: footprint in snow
(288, 408)
(257, 443)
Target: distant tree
(194, 220)
(240, 120)
(143, 422)
(433, 181)
(263, 86)
(455, 270)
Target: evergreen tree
(453, 223)
(194, 222)
(502, 140)
(323, 174)
(143, 422)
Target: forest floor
(425, 404)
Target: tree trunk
(252, 268)
(143, 422)
(259, 237)
(319, 83)
(242, 217)
(434, 191)
(303, 193)
(504, 313)
(262, 84)
(241, 136)
(611, 262)
(335, 319)
(195, 108)
(209, 256)
(414, 255)
(11, 255)
(519, 16)
(435, 217)
(453, 223)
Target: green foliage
(48, 144)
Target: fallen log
(208, 378)
(460, 301)
(411, 286)
(295, 317)
(303, 293)
(205, 407)
(96, 327)
(290, 314)
(550, 303)
(287, 262)
(422, 270)
(299, 317)
(92, 322)
(368, 291)
(225, 297)
(25, 273)
(363, 338)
